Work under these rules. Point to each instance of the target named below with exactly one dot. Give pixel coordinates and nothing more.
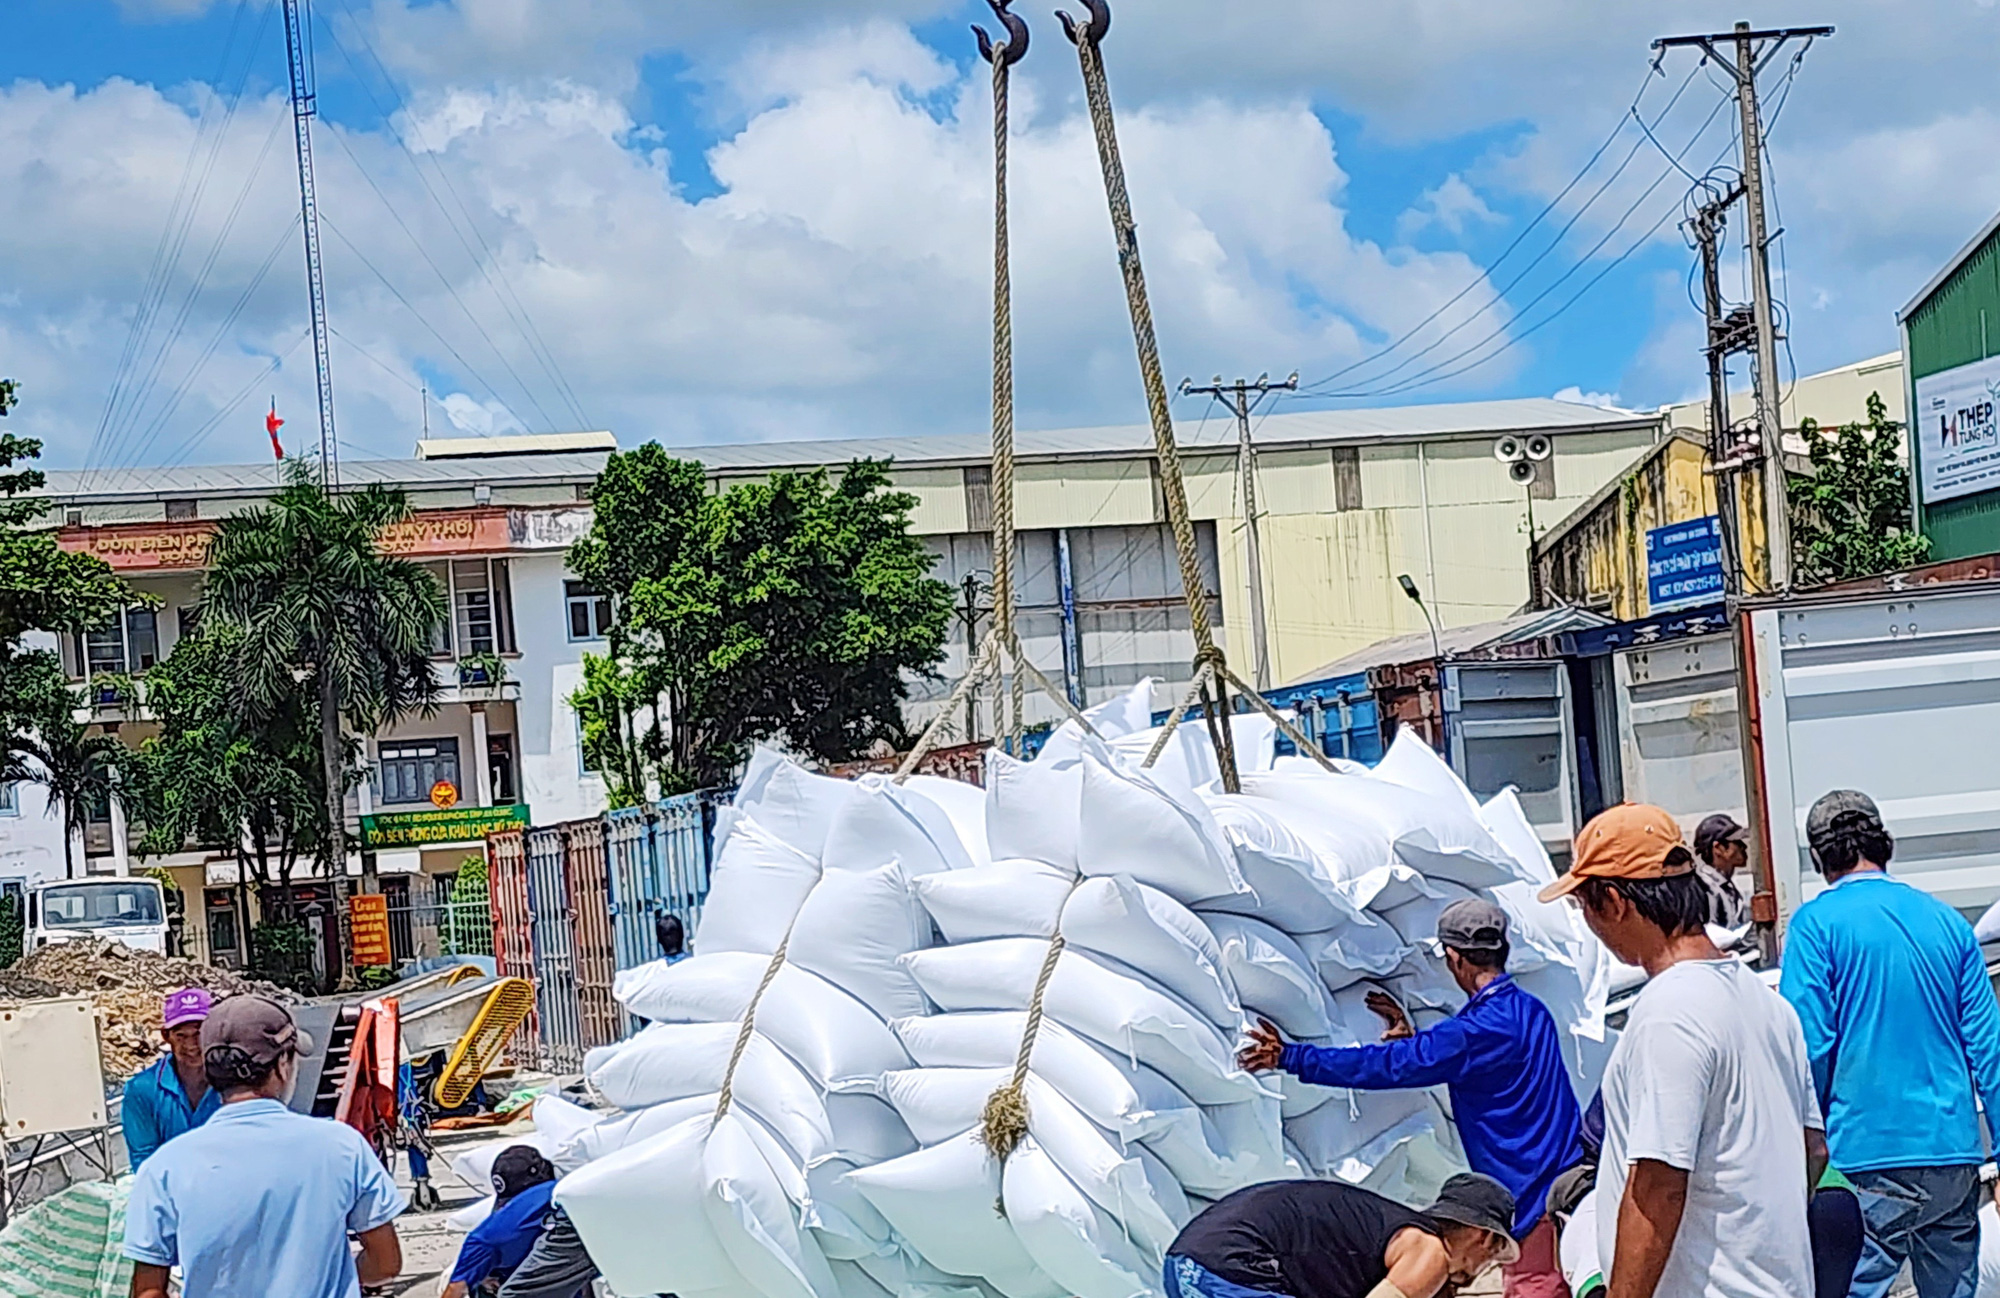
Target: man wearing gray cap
(1902, 1033)
(1501, 1059)
(260, 1201)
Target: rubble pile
(127, 987)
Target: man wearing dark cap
(523, 1180)
(1903, 1033)
(1722, 849)
(1712, 1135)
(1329, 1239)
(260, 1201)
(1502, 1061)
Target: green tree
(217, 778)
(1851, 515)
(791, 607)
(80, 770)
(13, 926)
(316, 600)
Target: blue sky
(706, 222)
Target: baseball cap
(1470, 1199)
(256, 1025)
(188, 1005)
(518, 1168)
(1716, 830)
(1841, 809)
(1629, 841)
(1472, 924)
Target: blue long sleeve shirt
(1900, 1023)
(1501, 1060)
(156, 1109)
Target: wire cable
(228, 408)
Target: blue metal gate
(659, 865)
(551, 927)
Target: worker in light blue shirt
(260, 1202)
(1903, 1032)
(171, 1095)
(1501, 1059)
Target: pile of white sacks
(915, 920)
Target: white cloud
(478, 418)
(1602, 400)
(1451, 205)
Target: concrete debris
(127, 987)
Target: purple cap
(188, 1005)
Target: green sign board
(436, 828)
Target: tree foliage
(1851, 516)
(314, 600)
(791, 607)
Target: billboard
(1955, 432)
(1684, 565)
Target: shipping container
(1337, 713)
(593, 944)
(513, 929)
(553, 931)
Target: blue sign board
(1684, 564)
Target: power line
(201, 434)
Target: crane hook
(1016, 43)
(1094, 30)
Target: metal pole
(298, 55)
(1246, 468)
(1072, 643)
(1777, 523)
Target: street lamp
(1417, 598)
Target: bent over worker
(1329, 1239)
(1501, 1059)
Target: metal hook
(1014, 46)
(1093, 31)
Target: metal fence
(513, 928)
(600, 1021)
(420, 930)
(553, 935)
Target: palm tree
(316, 600)
(80, 771)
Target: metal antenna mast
(305, 90)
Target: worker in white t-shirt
(1713, 1134)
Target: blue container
(1338, 712)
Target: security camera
(1521, 471)
(1508, 449)
(1541, 446)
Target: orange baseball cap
(1629, 841)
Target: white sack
(1411, 1161)
(836, 1039)
(1440, 837)
(608, 1135)
(843, 1223)
(941, 1201)
(1144, 928)
(619, 1202)
(755, 1214)
(1389, 886)
(1033, 810)
(1577, 1249)
(1138, 823)
(794, 805)
(558, 1121)
(1112, 720)
(475, 1168)
(907, 1275)
(1112, 1009)
(1416, 921)
(1330, 1137)
(1002, 899)
(866, 1130)
(1273, 976)
(1128, 1100)
(855, 926)
(757, 886)
(1289, 885)
(1504, 819)
(1347, 955)
(1190, 754)
(855, 1282)
(670, 1061)
(1072, 1239)
(883, 822)
(964, 805)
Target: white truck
(130, 909)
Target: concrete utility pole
(1238, 396)
(1753, 51)
(1726, 333)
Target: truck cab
(129, 910)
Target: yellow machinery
(466, 1013)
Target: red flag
(271, 425)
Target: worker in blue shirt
(1902, 1032)
(171, 1095)
(523, 1181)
(1502, 1061)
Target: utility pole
(305, 96)
(1242, 397)
(1753, 51)
(1726, 334)
(968, 611)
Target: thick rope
(1172, 488)
(1188, 700)
(1285, 724)
(1010, 720)
(1048, 687)
(977, 669)
(1003, 1124)
(749, 1027)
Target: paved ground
(430, 1241)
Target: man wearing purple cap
(171, 1095)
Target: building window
(73, 518)
(978, 497)
(410, 767)
(500, 768)
(187, 620)
(589, 612)
(181, 511)
(128, 645)
(10, 798)
(480, 600)
(1346, 477)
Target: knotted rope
(1003, 1123)
(749, 1026)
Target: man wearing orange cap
(1712, 1132)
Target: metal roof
(469, 448)
(1291, 429)
(1935, 282)
(1456, 640)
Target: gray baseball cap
(1472, 924)
(1843, 808)
(258, 1026)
